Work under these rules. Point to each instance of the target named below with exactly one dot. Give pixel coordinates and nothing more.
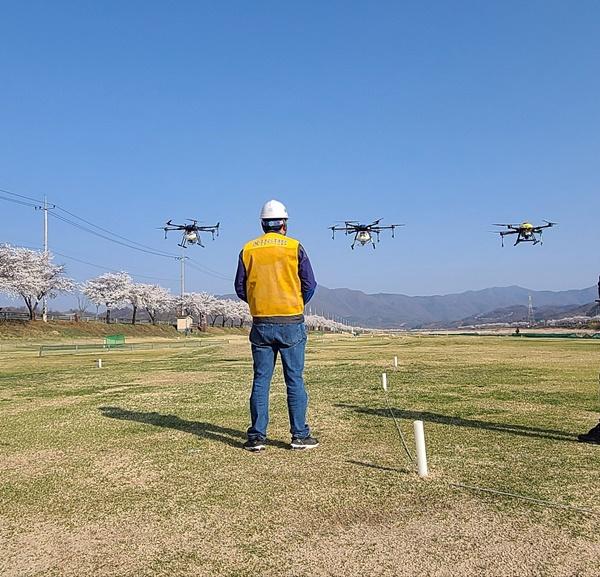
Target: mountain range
(389, 310)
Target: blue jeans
(289, 340)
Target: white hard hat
(272, 210)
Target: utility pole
(45, 208)
(182, 276)
(182, 272)
(530, 318)
(45, 303)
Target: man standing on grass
(275, 278)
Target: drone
(191, 232)
(363, 233)
(526, 232)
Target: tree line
(32, 276)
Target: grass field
(136, 469)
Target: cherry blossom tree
(82, 302)
(109, 289)
(134, 295)
(320, 323)
(222, 308)
(200, 305)
(31, 275)
(240, 312)
(155, 299)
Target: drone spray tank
(191, 237)
(363, 237)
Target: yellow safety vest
(272, 282)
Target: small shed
(184, 324)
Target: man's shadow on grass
(520, 430)
(202, 430)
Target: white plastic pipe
(421, 453)
(395, 362)
(384, 381)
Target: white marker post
(395, 362)
(421, 453)
(384, 381)
(99, 363)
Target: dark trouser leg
(292, 358)
(264, 356)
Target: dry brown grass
(137, 470)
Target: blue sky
(446, 116)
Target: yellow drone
(526, 232)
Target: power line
(208, 271)
(111, 269)
(199, 267)
(127, 245)
(35, 203)
(124, 241)
(19, 201)
(203, 269)
(38, 202)
(105, 230)
(99, 266)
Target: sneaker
(255, 445)
(307, 443)
(593, 436)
